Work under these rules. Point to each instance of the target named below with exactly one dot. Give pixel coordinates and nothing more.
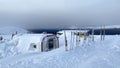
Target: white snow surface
(98, 54)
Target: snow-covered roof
(26, 39)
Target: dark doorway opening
(50, 44)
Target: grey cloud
(59, 13)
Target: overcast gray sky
(34, 14)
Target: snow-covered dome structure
(36, 42)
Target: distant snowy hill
(12, 30)
(113, 26)
(106, 27)
(73, 27)
(96, 27)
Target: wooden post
(84, 38)
(66, 45)
(76, 38)
(79, 39)
(101, 34)
(93, 35)
(104, 33)
(89, 39)
(71, 41)
(12, 36)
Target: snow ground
(98, 54)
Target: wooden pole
(71, 41)
(84, 39)
(66, 45)
(101, 33)
(93, 35)
(76, 38)
(13, 36)
(89, 39)
(104, 33)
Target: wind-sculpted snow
(98, 54)
(7, 48)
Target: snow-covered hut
(36, 42)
